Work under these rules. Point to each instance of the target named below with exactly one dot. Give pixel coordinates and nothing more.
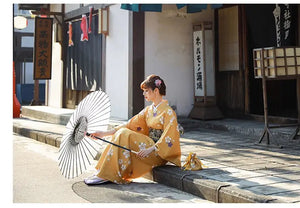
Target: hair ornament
(157, 83)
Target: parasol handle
(88, 134)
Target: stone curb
(211, 190)
(47, 138)
(186, 181)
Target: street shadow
(135, 192)
(273, 161)
(239, 143)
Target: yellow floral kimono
(152, 126)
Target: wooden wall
(230, 92)
(230, 70)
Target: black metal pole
(88, 134)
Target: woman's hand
(146, 152)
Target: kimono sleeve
(138, 123)
(120, 126)
(168, 146)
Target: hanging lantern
(20, 22)
(103, 21)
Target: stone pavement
(238, 169)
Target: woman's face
(149, 94)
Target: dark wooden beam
(82, 10)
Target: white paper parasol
(77, 150)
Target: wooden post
(245, 62)
(265, 97)
(36, 100)
(298, 99)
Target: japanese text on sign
(198, 63)
(42, 48)
(282, 22)
(287, 21)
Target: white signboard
(198, 63)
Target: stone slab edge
(58, 119)
(215, 191)
(47, 138)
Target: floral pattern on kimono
(120, 166)
(168, 146)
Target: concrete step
(49, 114)
(60, 116)
(244, 127)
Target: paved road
(37, 179)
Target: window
(27, 41)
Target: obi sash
(155, 134)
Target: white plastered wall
(117, 61)
(55, 84)
(169, 54)
(54, 87)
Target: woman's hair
(154, 81)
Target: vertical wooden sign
(42, 48)
(204, 73)
(198, 63)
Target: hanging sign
(283, 20)
(42, 48)
(198, 63)
(103, 21)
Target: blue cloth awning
(191, 8)
(142, 7)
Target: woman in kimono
(153, 134)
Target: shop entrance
(262, 32)
(83, 64)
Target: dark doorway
(261, 32)
(138, 61)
